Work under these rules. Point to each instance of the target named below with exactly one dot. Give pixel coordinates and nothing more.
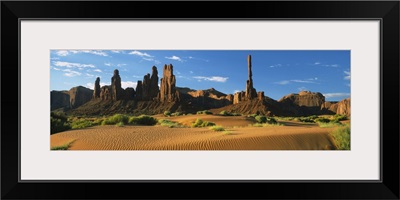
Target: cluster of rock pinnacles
(148, 89)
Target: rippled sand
(293, 136)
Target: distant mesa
(150, 98)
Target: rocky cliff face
(59, 99)
(250, 91)
(116, 89)
(341, 107)
(304, 98)
(79, 96)
(150, 85)
(168, 91)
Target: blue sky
(277, 73)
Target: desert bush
(339, 117)
(322, 120)
(261, 119)
(120, 124)
(225, 113)
(63, 146)
(143, 120)
(168, 123)
(167, 113)
(265, 124)
(341, 138)
(81, 123)
(217, 128)
(115, 119)
(206, 112)
(201, 123)
(58, 123)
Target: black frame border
(386, 11)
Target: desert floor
(292, 136)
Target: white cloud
(236, 91)
(302, 89)
(317, 63)
(71, 73)
(72, 65)
(348, 75)
(277, 65)
(55, 58)
(191, 72)
(201, 59)
(89, 75)
(108, 64)
(336, 95)
(125, 84)
(302, 81)
(91, 85)
(174, 58)
(115, 51)
(141, 54)
(62, 53)
(97, 70)
(120, 65)
(57, 69)
(67, 52)
(212, 78)
(282, 82)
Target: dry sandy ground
(292, 136)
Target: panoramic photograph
(199, 99)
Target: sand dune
(289, 137)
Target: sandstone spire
(96, 91)
(167, 86)
(250, 91)
(116, 89)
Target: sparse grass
(176, 114)
(226, 132)
(201, 123)
(205, 112)
(170, 124)
(63, 146)
(143, 120)
(339, 117)
(330, 124)
(120, 124)
(341, 138)
(217, 128)
(167, 113)
(81, 123)
(265, 125)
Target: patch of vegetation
(201, 123)
(169, 123)
(143, 120)
(63, 146)
(227, 132)
(120, 124)
(330, 124)
(115, 119)
(339, 117)
(265, 124)
(81, 123)
(322, 120)
(205, 112)
(341, 138)
(167, 113)
(58, 123)
(217, 128)
(226, 113)
(176, 114)
(309, 119)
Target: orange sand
(292, 136)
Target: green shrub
(82, 123)
(225, 113)
(227, 133)
(176, 114)
(168, 123)
(322, 120)
(120, 124)
(265, 124)
(143, 120)
(261, 119)
(115, 119)
(217, 128)
(341, 138)
(167, 113)
(58, 123)
(206, 112)
(63, 146)
(201, 123)
(339, 117)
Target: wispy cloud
(71, 73)
(191, 72)
(116, 51)
(309, 80)
(97, 70)
(325, 65)
(89, 75)
(72, 65)
(195, 58)
(174, 58)
(141, 54)
(57, 69)
(302, 89)
(108, 64)
(277, 65)
(336, 95)
(212, 78)
(54, 58)
(68, 52)
(347, 75)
